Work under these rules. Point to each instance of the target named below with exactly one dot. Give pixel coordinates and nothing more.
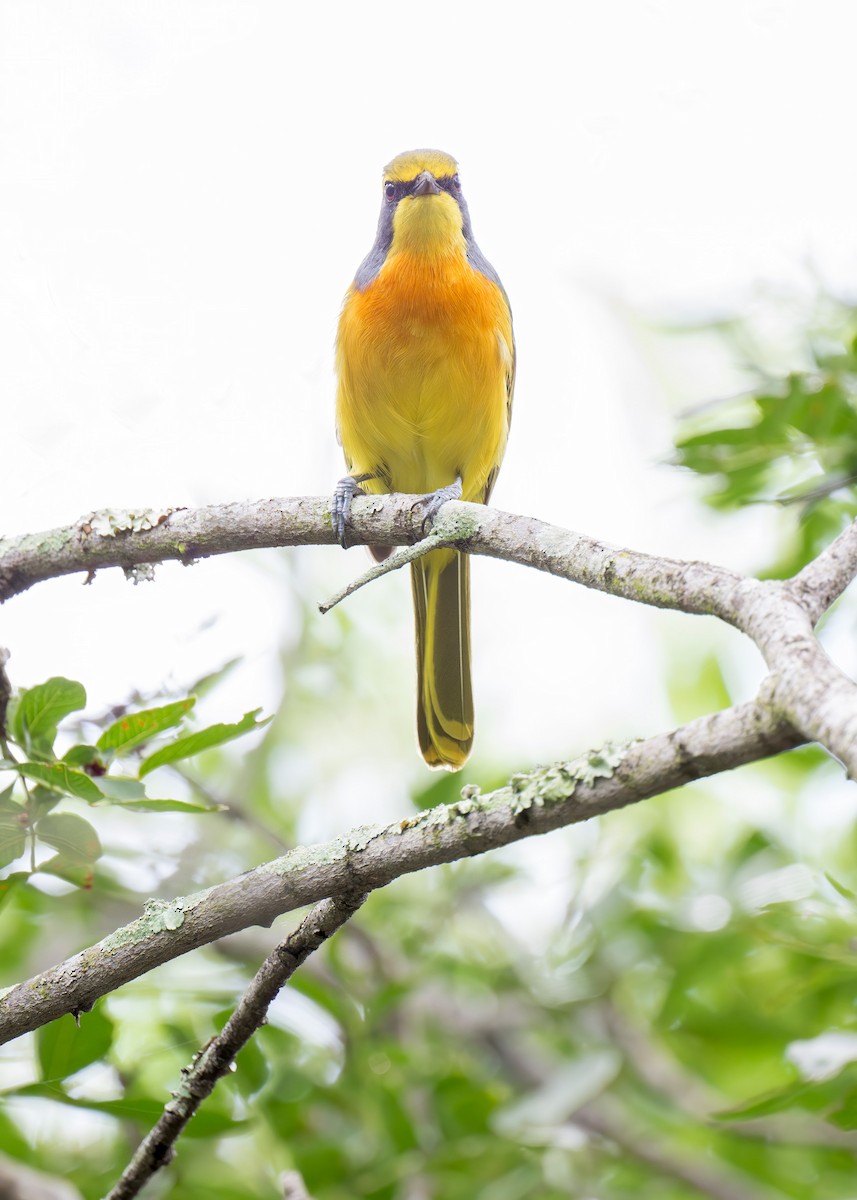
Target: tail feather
(441, 586)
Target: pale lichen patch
(559, 781)
(305, 857)
(454, 524)
(359, 838)
(140, 573)
(554, 542)
(158, 916)
(164, 914)
(108, 522)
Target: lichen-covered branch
(130, 539)
(805, 687)
(215, 1060)
(373, 856)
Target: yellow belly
(423, 356)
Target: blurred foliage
(658, 1004)
(791, 437)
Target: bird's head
(423, 214)
(423, 203)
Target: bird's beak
(426, 185)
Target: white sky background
(187, 189)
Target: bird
(425, 363)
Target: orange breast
(423, 355)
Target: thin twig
(199, 1079)
(232, 810)
(400, 558)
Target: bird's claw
(340, 508)
(434, 502)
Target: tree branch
(129, 539)
(215, 1061)
(824, 579)
(372, 856)
(805, 686)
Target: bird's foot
(340, 509)
(434, 502)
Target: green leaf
(194, 743)
(63, 1048)
(123, 791)
(148, 804)
(82, 875)
(206, 1123)
(13, 836)
(13, 1141)
(7, 804)
(74, 838)
(845, 1116)
(40, 709)
(133, 729)
(840, 887)
(778, 1100)
(205, 684)
(60, 777)
(83, 755)
(40, 801)
(119, 788)
(7, 888)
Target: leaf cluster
(791, 438)
(110, 771)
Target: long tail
(441, 585)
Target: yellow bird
(425, 360)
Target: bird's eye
(390, 191)
(456, 183)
